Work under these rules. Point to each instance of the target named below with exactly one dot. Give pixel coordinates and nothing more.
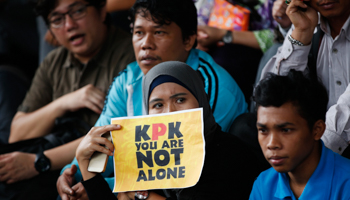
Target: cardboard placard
(158, 151)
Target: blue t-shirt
(330, 180)
(125, 97)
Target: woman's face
(169, 97)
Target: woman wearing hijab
(229, 167)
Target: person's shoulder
(57, 53)
(54, 60)
(206, 60)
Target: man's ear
(318, 129)
(189, 42)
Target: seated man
(162, 34)
(291, 113)
(72, 81)
(326, 57)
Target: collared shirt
(333, 68)
(60, 73)
(330, 180)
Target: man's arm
(40, 122)
(288, 57)
(35, 124)
(208, 36)
(337, 133)
(17, 166)
(291, 56)
(303, 21)
(62, 155)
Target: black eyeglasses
(76, 12)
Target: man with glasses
(72, 81)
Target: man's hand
(65, 182)
(17, 166)
(86, 97)
(279, 13)
(209, 36)
(79, 192)
(304, 22)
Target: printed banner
(158, 151)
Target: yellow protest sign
(158, 151)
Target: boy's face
(285, 138)
(154, 44)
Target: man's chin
(146, 67)
(331, 13)
(280, 169)
(79, 51)
(83, 54)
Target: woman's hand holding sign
(94, 142)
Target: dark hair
(309, 96)
(44, 8)
(163, 12)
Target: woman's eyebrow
(171, 97)
(178, 94)
(155, 100)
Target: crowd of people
(272, 77)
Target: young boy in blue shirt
(291, 120)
